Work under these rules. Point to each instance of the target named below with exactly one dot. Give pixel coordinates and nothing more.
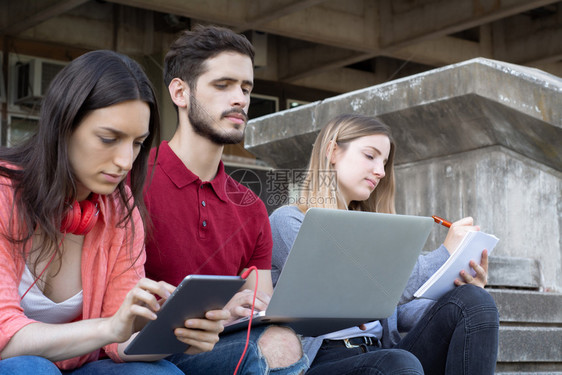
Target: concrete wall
(509, 195)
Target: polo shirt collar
(174, 168)
(219, 183)
(181, 176)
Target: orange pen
(442, 221)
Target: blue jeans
(222, 360)
(25, 365)
(458, 335)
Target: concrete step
(513, 272)
(530, 337)
(528, 369)
(530, 344)
(528, 307)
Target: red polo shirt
(200, 227)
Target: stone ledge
(470, 105)
(513, 272)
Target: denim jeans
(25, 365)
(222, 360)
(458, 335)
(364, 360)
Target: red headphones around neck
(81, 217)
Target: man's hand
(202, 334)
(240, 305)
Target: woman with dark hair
(458, 334)
(72, 236)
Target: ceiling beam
(444, 17)
(326, 25)
(47, 50)
(340, 80)
(298, 61)
(434, 47)
(439, 52)
(552, 68)
(276, 11)
(224, 12)
(330, 26)
(325, 66)
(443, 51)
(540, 47)
(524, 40)
(360, 30)
(33, 18)
(431, 46)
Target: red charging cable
(44, 269)
(244, 276)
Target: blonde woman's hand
(140, 305)
(481, 277)
(457, 231)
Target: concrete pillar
(507, 194)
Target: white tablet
(195, 295)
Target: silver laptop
(345, 268)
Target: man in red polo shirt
(204, 222)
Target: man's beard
(201, 122)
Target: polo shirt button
(204, 223)
(203, 203)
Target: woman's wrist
(110, 332)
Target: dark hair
(43, 179)
(188, 53)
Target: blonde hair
(315, 192)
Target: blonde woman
(351, 167)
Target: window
(20, 127)
(293, 103)
(261, 105)
(2, 82)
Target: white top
(374, 329)
(38, 307)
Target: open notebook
(443, 280)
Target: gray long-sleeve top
(285, 224)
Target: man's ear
(179, 93)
